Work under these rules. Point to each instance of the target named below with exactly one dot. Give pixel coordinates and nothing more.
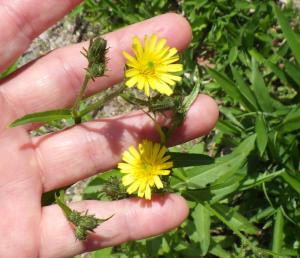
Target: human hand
(31, 166)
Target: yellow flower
(143, 167)
(152, 66)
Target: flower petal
(127, 180)
(170, 68)
(152, 42)
(137, 47)
(148, 193)
(158, 182)
(131, 189)
(132, 81)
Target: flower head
(143, 168)
(152, 66)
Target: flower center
(148, 169)
(148, 69)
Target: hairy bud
(83, 223)
(96, 56)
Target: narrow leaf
(102, 253)
(229, 128)
(188, 101)
(289, 34)
(199, 177)
(202, 223)
(291, 122)
(236, 219)
(43, 117)
(250, 101)
(251, 182)
(217, 250)
(275, 69)
(293, 71)
(189, 159)
(10, 69)
(228, 113)
(233, 54)
(260, 90)
(226, 84)
(293, 182)
(262, 134)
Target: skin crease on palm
(31, 166)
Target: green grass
(245, 204)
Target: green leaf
(236, 219)
(233, 54)
(217, 250)
(9, 70)
(289, 34)
(153, 246)
(278, 232)
(251, 182)
(250, 101)
(291, 122)
(103, 253)
(226, 84)
(43, 117)
(276, 70)
(189, 159)
(202, 223)
(188, 100)
(200, 176)
(229, 128)
(262, 134)
(293, 182)
(230, 115)
(260, 90)
(220, 191)
(263, 214)
(293, 71)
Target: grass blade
(289, 34)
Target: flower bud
(88, 222)
(81, 233)
(74, 217)
(96, 56)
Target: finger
(133, 219)
(23, 20)
(54, 80)
(96, 146)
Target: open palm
(31, 166)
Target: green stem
(60, 200)
(102, 101)
(130, 98)
(76, 106)
(278, 232)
